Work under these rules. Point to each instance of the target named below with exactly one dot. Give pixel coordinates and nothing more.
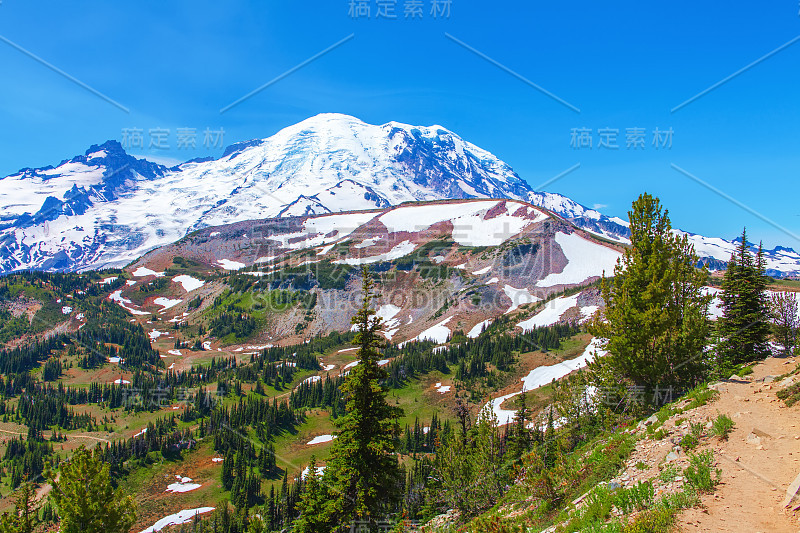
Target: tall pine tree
(363, 473)
(655, 322)
(744, 326)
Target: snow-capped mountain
(106, 208)
(715, 254)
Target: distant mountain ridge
(106, 208)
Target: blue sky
(626, 65)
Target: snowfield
(319, 471)
(586, 259)
(478, 328)
(181, 517)
(188, 282)
(142, 272)
(367, 242)
(471, 227)
(388, 312)
(166, 303)
(715, 307)
(398, 251)
(551, 313)
(184, 484)
(519, 297)
(227, 264)
(438, 333)
(320, 439)
(416, 218)
(474, 230)
(116, 296)
(541, 376)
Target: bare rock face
(465, 262)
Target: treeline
(266, 418)
(238, 325)
(12, 284)
(322, 392)
(107, 323)
(274, 374)
(306, 354)
(161, 437)
(29, 356)
(41, 411)
(25, 459)
(473, 356)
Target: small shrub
(596, 509)
(689, 442)
(722, 426)
(636, 498)
(663, 414)
(668, 474)
(699, 474)
(681, 500)
(660, 434)
(790, 395)
(641, 465)
(700, 397)
(658, 520)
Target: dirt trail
(755, 471)
(98, 439)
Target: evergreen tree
(785, 320)
(520, 439)
(314, 504)
(227, 471)
(26, 511)
(85, 499)
(363, 473)
(655, 320)
(470, 473)
(744, 326)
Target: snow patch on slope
(585, 259)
